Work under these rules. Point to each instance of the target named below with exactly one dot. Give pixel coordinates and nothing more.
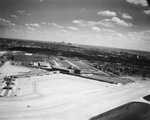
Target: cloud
(73, 28)
(30, 28)
(108, 30)
(119, 35)
(118, 21)
(65, 32)
(20, 11)
(12, 24)
(107, 13)
(112, 33)
(33, 25)
(139, 39)
(56, 25)
(121, 22)
(6, 23)
(14, 30)
(43, 23)
(142, 35)
(14, 16)
(84, 23)
(138, 2)
(147, 12)
(29, 14)
(106, 22)
(2, 20)
(83, 9)
(77, 21)
(126, 16)
(41, 0)
(97, 29)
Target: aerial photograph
(74, 60)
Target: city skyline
(110, 23)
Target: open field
(8, 70)
(65, 97)
(85, 68)
(2, 53)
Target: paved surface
(65, 97)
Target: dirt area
(2, 53)
(8, 70)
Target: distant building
(28, 54)
(44, 65)
(77, 71)
(7, 87)
(61, 69)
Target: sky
(110, 23)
